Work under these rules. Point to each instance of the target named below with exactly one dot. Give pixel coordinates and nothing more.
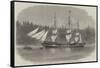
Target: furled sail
(44, 36)
(68, 37)
(77, 34)
(54, 31)
(80, 41)
(54, 35)
(39, 34)
(72, 42)
(33, 32)
(76, 39)
(69, 31)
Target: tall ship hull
(61, 45)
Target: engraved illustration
(49, 34)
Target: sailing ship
(77, 39)
(71, 41)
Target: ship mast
(69, 20)
(55, 24)
(78, 28)
(55, 21)
(54, 31)
(69, 34)
(78, 24)
(88, 26)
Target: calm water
(54, 54)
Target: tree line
(23, 28)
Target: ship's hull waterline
(60, 45)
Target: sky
(44, 14)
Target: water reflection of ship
(73, 39)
